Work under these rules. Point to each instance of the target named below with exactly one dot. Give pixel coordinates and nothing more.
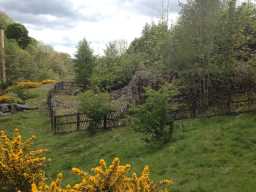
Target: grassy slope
(216, 154)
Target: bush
(28, 84)
(9, 98)
(22, 169)
(96, 106)
(6, 99)
(48, 81)
(21, 93)
(3, 85)
(20, 164)
(115, 178)
(153, 117)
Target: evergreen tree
(84, 62)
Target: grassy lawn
(216, 154)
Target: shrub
(28, 84)
(96, 106)
(20, 164)
(3, 85)
(115, 178)
(7, 99)
(22, 169)
(21, 93)
(10, 98)
(48, 81)
(152, 118)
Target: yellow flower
(76, 170)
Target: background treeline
(210, 48)
(29, 59)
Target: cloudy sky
(63, 23)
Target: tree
(84, 62)
(192, 45)
(115, 68)
(5, 20)
(148, 49)
(18, 32)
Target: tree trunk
(2, 55)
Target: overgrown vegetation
(22, 169)
(27, 58)
(96, 105)
(153, 118)
(220, 150)
(20, 164)
(210, 51)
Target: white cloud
(99, 21)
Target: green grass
(216, 154)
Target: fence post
(55, 123)
(78, 121)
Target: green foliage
(153, 118)
(5, 20)
(96, 106)
(84, 62)
(28, 59)
(115, 69)
(149, 48)
(18, 32)
(19, 65)
(3, 85)
(23, 94)
(36, 62)
(226, 143)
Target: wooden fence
(79, 121)
(237, 101)
(68, 85)
(240, 102)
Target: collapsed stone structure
(134, 92)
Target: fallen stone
(5, 108)
(20, 107)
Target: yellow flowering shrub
(28, 84)
(22, 170)
(115, 178)
(6, 99)
(48, 81)
(20, 164)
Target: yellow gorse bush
(115, 178)
(28, 84)
(6, 99)
(22, 170)
(20, 165)
(48, 81)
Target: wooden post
(2, 55)
(78, 121)
(105, 122)
(55, 123)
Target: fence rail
(222, 107)
(239, 101)
(78, 121)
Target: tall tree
(149, 47)
(84, 62)
(18, 32)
